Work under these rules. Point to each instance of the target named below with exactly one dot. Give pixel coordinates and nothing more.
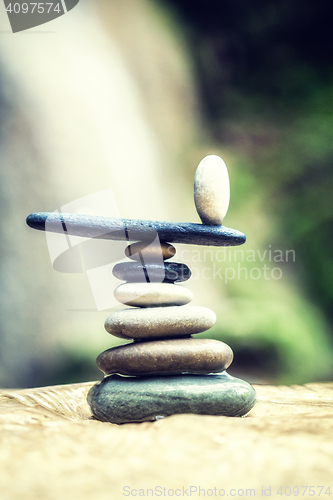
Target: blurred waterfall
(76, 118)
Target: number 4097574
(304, 490)
(30, 8)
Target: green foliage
(265, 73)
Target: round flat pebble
(135, 272)
(123, 400)
(142, 252)
(153, 294)
(211, 190)
(145, 323)
(165, 357)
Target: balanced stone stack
(164, 370)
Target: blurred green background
(265, 75)
(253, 83)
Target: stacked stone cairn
(164, 370)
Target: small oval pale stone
(144, 323)
(146, 253)
(166, 357)
(212, 190)
(152, 294)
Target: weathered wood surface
(52, 449)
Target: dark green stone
(119, 399)
(151, 272)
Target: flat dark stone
(122, 400)
(135, 230)
(133, 272)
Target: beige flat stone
(141, 323)
(153, 294)
(145, 253)
(166, 357)
(211, 190)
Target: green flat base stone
(120, 400)
(135, 230)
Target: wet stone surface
(120, 399)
